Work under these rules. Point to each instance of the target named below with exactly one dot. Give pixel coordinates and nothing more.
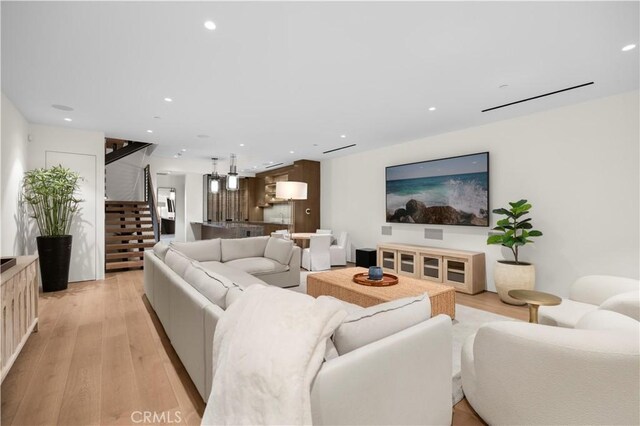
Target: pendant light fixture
(233, 182)
(215, 177)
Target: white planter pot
(509, 276)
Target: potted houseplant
(51, 196)
(514, 231)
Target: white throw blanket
(267, 349)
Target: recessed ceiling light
(291, 152)
(432, 109)
(270, 162)
(315, 144)
(149, 131)
(157, 117)
(241, 144)
(175, 156)
(168, 100)
(503, 86)
(628, 47)
(62, 107)
(184, 150)
(202, 136)
(68, 119)
(210, 25)
(343, 136)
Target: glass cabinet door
(431, 267)
(387, 260)
(455, 271)
(407, 264)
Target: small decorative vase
(508, 275)
(375, 273)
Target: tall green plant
(516, 231)
(51, 194)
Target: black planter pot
(55, 257)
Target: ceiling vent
(338, 149)
(537, 97)
(274, 165)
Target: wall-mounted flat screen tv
(448, 191)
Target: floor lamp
(291, 191)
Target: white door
(84, 249)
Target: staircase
(129, 229)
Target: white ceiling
(295, 76)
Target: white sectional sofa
(388, 366)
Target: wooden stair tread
(125, 246)
(128, 230)
(141, 203)
(124, 265)
(118, 215)
(124, 254)
(126, 209)
(128, 222)
(115, 238)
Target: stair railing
(150, 197)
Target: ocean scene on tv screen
(452, 191)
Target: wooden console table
(19, 308)
(463, 270)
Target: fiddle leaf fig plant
(515, 230)
(51, 194)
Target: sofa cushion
(177, 261)
(279, 250)
(232, 295)
(160, 249)
(238, 248)
(202, 251)
(258, 265)
(379, 321)
(237, 276)
(625, 303)
(211, 285)
(608, 320)
(566, 314)
(351, 308)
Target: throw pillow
(239, 248)
(279, 250)
(177, 261)
(211, 285)
(160, 249)
(377, 322)
(202, 251)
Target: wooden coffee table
(339, 284)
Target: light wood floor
(101, 355)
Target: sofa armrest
(294, 263)
(595, 289)
(401, 379)
(552, 375)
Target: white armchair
(339, 250)
(520, 373)
(317, 257)
(586, 295)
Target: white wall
(59, 139)
(15, 131)
(577, 165)
(125, 177)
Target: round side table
(535, 299)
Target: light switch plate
(386, 230)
